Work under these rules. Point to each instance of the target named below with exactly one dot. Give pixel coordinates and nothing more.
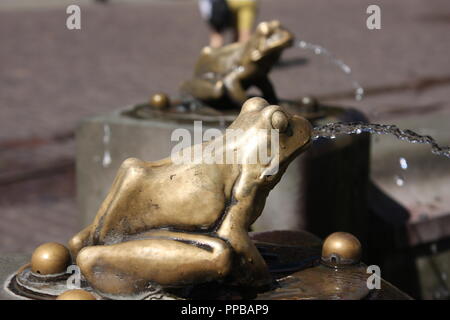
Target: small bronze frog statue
(179, 224)
(223, 75)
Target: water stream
(331, 130)
(359, 91)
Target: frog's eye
(264, 28)
(280, 121)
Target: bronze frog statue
(178, 224)
(223, 75)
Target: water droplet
(106, 134)
(358, 131)
(403, 163)
(399, 181)
(359, 93)
(433, 248)
(106, 159)
(346, 69)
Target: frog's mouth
(279, 40)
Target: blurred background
(51, 78)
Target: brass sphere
(76, 294)
(160, 100)
(50, 258)
(310, 104)
(340, 249)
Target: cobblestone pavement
(51, 78)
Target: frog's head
(284, 136)
(269, 37)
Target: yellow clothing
(244, 12)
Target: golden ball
(160, 100)
(50, 258)
(76, 294)
(341, 248)
(310, 104)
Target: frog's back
(155, 195)
(220, 60)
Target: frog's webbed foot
(166, 258)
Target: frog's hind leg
(124, 193)
(129, 267)
(79, 241)
(86, 236)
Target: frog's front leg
(234, 83)
(250, 267)
(162, 257)
(265, 85)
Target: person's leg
(234, 6)
(216, 39)
(166, 259)
(246, 17)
